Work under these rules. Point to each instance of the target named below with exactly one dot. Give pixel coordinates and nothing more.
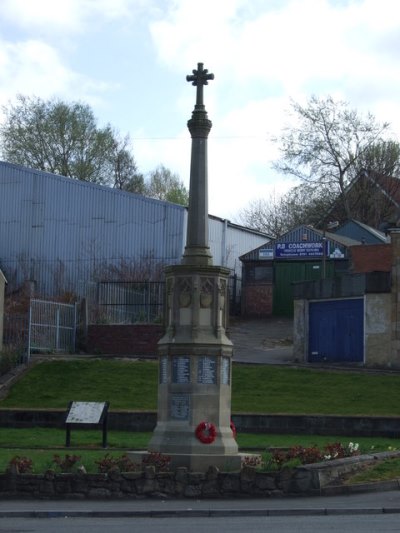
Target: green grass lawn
(41, 444)
(132, 385)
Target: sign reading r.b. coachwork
(301, 249)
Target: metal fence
(128, 302)
(52, 327)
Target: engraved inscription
(181, 369)
(180, 406)
(163, 369)
(207, 370)
(225, 371)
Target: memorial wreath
(206, 432)
(233, 428)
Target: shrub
(300, 455)
(158, 460)
(10, 357)
(66, 463)
(22, 465)
(123, 463)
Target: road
(370, 512)
(283, 524)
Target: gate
(336, 331)
(286, 273)
(52, 327)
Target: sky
(128, 59)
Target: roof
(366, 234)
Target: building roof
(361, 232)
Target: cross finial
(199, 78)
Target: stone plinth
(195, 370)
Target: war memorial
(195, 355)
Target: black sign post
(86, 413)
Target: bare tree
(327, 143)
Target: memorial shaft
(195, 354)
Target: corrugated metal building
(64, 233)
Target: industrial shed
(63, 234)
(303, 253)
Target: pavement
(262, 340)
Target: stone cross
(199, 78)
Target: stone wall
(257, 300)
(378, 331)
(125, 339)
(309, 479)
(132, 485)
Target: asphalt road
(284, 524)
(369, 513)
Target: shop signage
(300, 249)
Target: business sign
(266, 253)
(300, 249)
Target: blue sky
(128, 59)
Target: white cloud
(52, 16)
(36, 68)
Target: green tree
(64, 138)
(327, 144)
(165, 185)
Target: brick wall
(371, 258)
(124, 339)
(257, 300)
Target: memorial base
(198, 462)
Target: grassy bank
(132, 385)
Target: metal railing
(52, 327)
(129, 302)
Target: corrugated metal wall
(61, 232)
(229, 241)
(62, 225)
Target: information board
(180, 406)
(85, 412)
(207, 370)
(82, 413)
(181, 369)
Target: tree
(124, 168)
(266, 215)
(164, 185)
(63, 138)
(303, 204)
(327, 145)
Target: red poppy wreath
(206, 432)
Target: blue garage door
(336, 331)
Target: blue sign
(300, 249)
